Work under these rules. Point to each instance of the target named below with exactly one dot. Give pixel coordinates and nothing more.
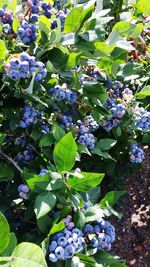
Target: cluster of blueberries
(47, 10)
(66, 243)
(25, 67)
(90, 123)
(114, 87)
(29, 116)
(136, 154)
(84, 136)
(45, 129)
(27, 32)
(66, 123)
(142, 119)
(26, 156)
(21, 141)
(62, 93)
(127, 95)
(23, 191)
(100, 235)
(6, 19)
(117, 110)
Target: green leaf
(58, 57)
(89, 181)
(46, 140)
(93, 214)
(123, 44)
(65, 152)
(105, 144)
(104, 258)
(44, 224)
(79, 219)
(4, 233)
(113, 38)
(12, 244)
(15, 25)
(73, 20)
(12, 5)
(28, 254)
(44, 202)
(112, 211)
(3, 50)
(57, 228)
(44, 25)
(144, 92)
(7, 171)
(93, 195)
(2, 137)
(143, 7)
(101, 153)
(57, 132)
(130, 70)
(85, 258)
(94, 89)
(112, 198)
(29, 90)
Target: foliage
(74, 113)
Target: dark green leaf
(89, 181)
(112, 198)
(44, 224)
(105, 144)
(79, 219)
(46, 140)
(44, 202)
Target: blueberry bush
(74, 115)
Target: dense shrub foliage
(74, 113)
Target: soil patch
(133, 230)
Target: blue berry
(27, 33)
(62, 93)
(23, 191)
(136, 154)
(142, 119)
(25, 67)
(43, 172)
(100, 235)
(66, 243)
(1, 12)
(26, 156)
(88, 228)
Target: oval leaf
(28, 254)
(4, 232)
(89, 181)
(44, 203)
(65, 152)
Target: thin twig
(11, 161)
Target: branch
(11, 161)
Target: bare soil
(133, 230)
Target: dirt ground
(133, 230)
